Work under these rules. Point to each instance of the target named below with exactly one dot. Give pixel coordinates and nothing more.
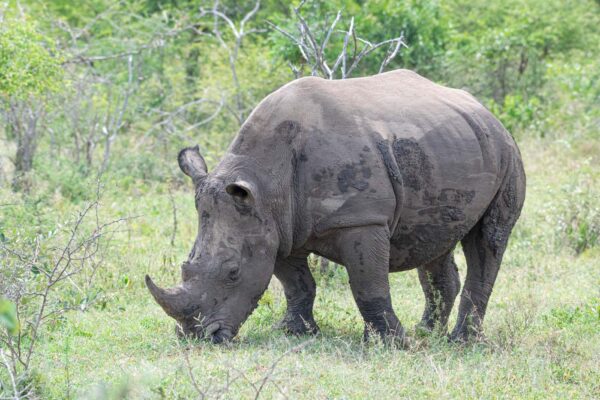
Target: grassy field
(542, 327)
(121, 86)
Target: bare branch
(249, 16)
(11, 374)
(315, 54)
(200, 392)
(114, 118)
(32, 284)
(271, 370)
(232, 51)
(331, 28)
(369, 48)
(392, 52)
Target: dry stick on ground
(239, 33)
(271, 371)
(257, 386)
(201, 393)
(314, 54)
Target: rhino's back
(394, 147)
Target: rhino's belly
(416, 245)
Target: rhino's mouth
(221, 335)
(217, 333)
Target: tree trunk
(23, 121)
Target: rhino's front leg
(365, 253)
(300, 289)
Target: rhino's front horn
(175, 301)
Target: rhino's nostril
(212, 328)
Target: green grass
(543, 321)
(542, 326)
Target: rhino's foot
(466, 336)
(422, 329)
(393, 336)
(427, 328)
(298, 325)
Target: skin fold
(379, 174)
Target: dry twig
(257, 386)
(314, 53)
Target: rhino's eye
(233, 274)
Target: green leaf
(8, 316)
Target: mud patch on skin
(355, 176)
(443, 214)
(414, 164)
(359, 253)
(509, 196)
(495, 230)
(289, 130)
(322, 174)
(450, 196)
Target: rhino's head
(232, 260)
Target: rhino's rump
(429, 170)
(449, 175)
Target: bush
(28, 63)
(579, 225)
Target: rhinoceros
(379, 174)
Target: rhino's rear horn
(174, 301)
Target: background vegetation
(98, 96)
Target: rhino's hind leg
(300, 290)
(484, 247)
(365, 253)
(440, 282)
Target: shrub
(28, 64)
(579, 224)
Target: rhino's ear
(191, 163)
(241, 191)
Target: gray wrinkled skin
(379, 174)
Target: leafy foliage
(29, 66)
(8, 316)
